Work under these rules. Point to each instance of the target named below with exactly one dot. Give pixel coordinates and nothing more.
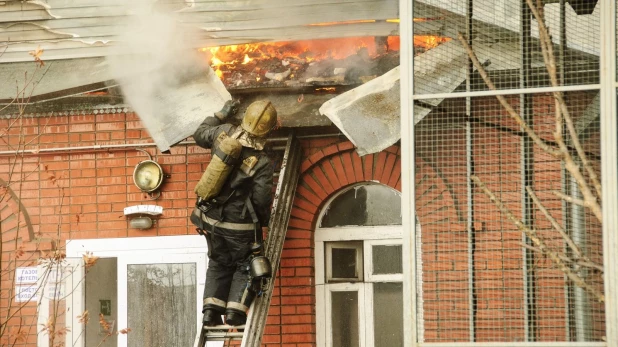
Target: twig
(594, 207)
(570, 199)
(550, 63)
(588, 264)
(537, 241)
(21, 322)
(477, 64)
(555, 224)
(572, 167)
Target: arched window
(363, 205)
(359, 289)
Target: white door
(159, 298)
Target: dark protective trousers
(227, 276)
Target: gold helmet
(260, 118)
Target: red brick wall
(81, 194)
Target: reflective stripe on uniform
(237, 306)
(214, 301)
(224, 225)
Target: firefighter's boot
(235, 317)
(236, 311)
(212, 318)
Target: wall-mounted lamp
(142, 222)
(148, 176)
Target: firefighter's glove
(229, 110)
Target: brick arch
(337, 166)
(334, 167)
(323, 174)
(14, 215)
(435, 202)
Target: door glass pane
(345, 319)
(102, 298)
(161, 307)
(344, 263)
(388, 314)
(387, 259)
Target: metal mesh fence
(502, 43)
(507, 251)
(480, 275)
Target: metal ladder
(251, 333)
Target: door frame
(141, 247)
(114, 247)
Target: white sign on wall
(144, 209)
(26, 293)
(54, 291)
(26, 275)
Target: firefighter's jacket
(257, 186)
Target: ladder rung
(223, 327)
(222, 335)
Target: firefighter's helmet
(260, 118)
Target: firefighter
(232, 221)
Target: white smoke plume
(162, 76)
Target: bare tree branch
(532, 235)
(555, 224)
(477, 64)
(570, 199)
(588, 264)
(571, 166)
(550, 63)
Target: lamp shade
(141, 223)
(148, 176)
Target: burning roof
(88, 29)
(338, 61)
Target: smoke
(162, 76)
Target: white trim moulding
(505, 91)
(513, 344)
(408, 208)
(609, 167)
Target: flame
(230, 57)
(429, 41)
(251, 62)
(308, 50)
